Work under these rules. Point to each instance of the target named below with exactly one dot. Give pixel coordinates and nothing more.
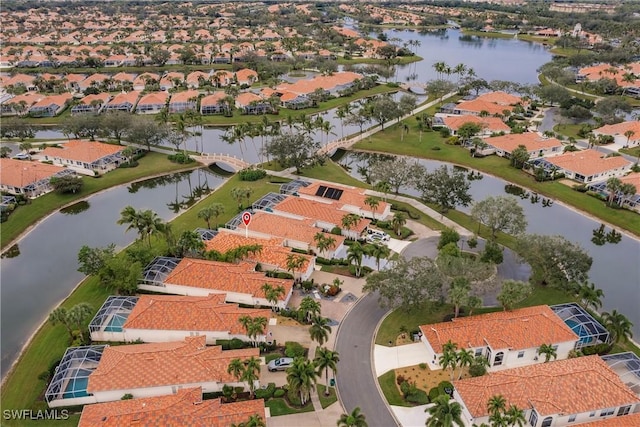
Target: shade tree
(500, 213)
(512, 292)
(445, 187)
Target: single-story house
(195, 277)
(246, 76)
(479, 107)
(631, 201)
(142, 370)
(141, 81)
(195, 78)
(507, 338)
(214, 104)
(20, 104)
(536, 145)
(183, 101)
(295, 101)
(85, 157)
(618, 131)
(560, 393)
(93, 80)
(27, 177)
(250, 103)
(50, 106)
(91, 103)
(162, 318)
(184, 407)
(586, 165)
(332, 84)
(488, 125)
(123, 102)
(152, 103)
(171, 80)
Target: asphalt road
(356, 382)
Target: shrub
(492, 253)
(448, 235)
(323, 261)
(294, 398)
(125, 165)
(278, 393)
(418, 397)
(476, 370)
(289, 313)
(252, 174)
(258, 267)
(436, 148)
(405, 388)
(400, 379)
(294, 349)
(423, 366)
(472, 242)
(180, 158)
(450, 249)
(337, 231)
(582, 188)
(596, 349)
(445, 132)
(434, 393)
(127, 396)
(444, 385)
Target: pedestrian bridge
(234, 162)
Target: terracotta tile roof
(631, 420)
(246, 74)
(58, 100)
(289, 228)
(531, 140)
(621, 128)
(323, 211)
(19, 173)
(492, 124)
(213, 99)
(552, 388)
(350, 196)
(83, 151)
(588, 162)
(246, 98)
(186, 313)
(478, 105)
(515, 330)
(184, 96)
(194, 76)
(500, 98)
(102, 97)
(633, 179)
(154, 98)
(29, 97)
(128, 97)
(185, 408)
(223, 276)
(127, 367)
(273, 251)
(306, 86)
(124, 77)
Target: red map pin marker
(246, 218)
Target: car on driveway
(378, 238)
(280, 364)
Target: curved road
(356, 382)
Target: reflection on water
(76, 208)
(12, 252)
(601, 237)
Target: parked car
(377, 235)
(376, 238)
(280, 364)
(22, 156)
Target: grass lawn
(326, 400)
(279, 406)
(432, 146)
(634, 151)
(423, 218)
(391, 393)
(425, 378)
(331, 171)
(568, 130)
(24, 216)
(484, 34)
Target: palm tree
(302, 378)
(613, 186)
(213, 210)
(449, 357)
(190, 241)
(151, 224)
(549, 351)
(256, 328)
(320, 329)
(355, 253)
(373, 203)
(590, 296)
(326, 359)
(309, 308)
(295, 262)
(444, 413)
(130, 216)
(465, 358)
(618, 325)
(496, 405)
(354, 419)
(349, 220)
(378, 252)
(515, 416)
(628, 134)
(236, 368)
(397, 222)
(272, 293)
(323, 242)
(251, 373)
(59, 315)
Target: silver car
(280, 364)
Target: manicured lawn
(326, 400)
(357, 60)
(634, 151)
(568, 130)
(333, 172)
(391, 393)
(24, 216)
(433, 147)
(279, 406)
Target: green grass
(27, 215)
(568, 130)
(634, 151)
(390, 326)
(433, 147)
(326, 400)
(391, 393)
(402, 60)
(279, 406)
(423, 218)
(333, 172)
(271, 356)
(492, 34)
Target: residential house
(29, 178)
(50, 106)
(123, 81)
(183, 101)
(631, 201)
(183, 408)
(19, 79)
(250, 103)
(86, 157)
(195, 277)
(214, 104)
(125, 101)
(295, 101)
(585, 165)
(222, 78)
(491, 104)
(96, 80)
(274, 255)
(488, 125)
(142, 370)
(91, 103)
(506, 338)
(162, 318)
(246, 76)
(561, 393)
(624, 134)
(140, 82)
(73, 81)
(196, 79)
(20, 104)
(331, 85)
(171, 80)
(152, 103)
(536, 145)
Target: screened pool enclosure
(590, 331)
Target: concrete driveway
(388, 358)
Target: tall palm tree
(496, 405)
(309, 308)
(236, 368)
(373, 203)
(613, 186)
(323, 242)
(444, 413)
(151, 224)
(378, 252)
(353, 419)
(549, 351)
(190, 242)
(251, 373)
(618, 325)
(355, 253)
(320, 329)
(214, 210)
(272, 293)
(326, 359)
(590, 296)
(465, 358)
(302, 378)
(397, 222)
(294, 262)
(449, 357)
(130, 216)
(350, 220)
(514, 416)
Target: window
(533, 418)
(547, 422)
(498, 360)
(593, 414)
(624, 410)
(478, 352)
(607, 412)
(555, 347)
(572, 418)
(520, 354)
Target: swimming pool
(580, 330)
(115, 324)
(77, 385)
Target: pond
(42, 271)
(616, 267)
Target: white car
(377, 236)
(280, 364)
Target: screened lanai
(158, 270)
(112, 315)
(206, 233)
(71, 377)
(590, 331)
(293, 186)
(268, 201)
(627, 366)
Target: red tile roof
(83, 151)
(631, 420)
(306, 86)
(184, 96)
(500, 98)
(516, 330)
(588, 162)
(621, 128)
(492, 124)
(213, 99)
(185, 408)
(326, 212)
(531, 140)
(350, 196)
(633, 179)
(154, 98)
(246, 98)
(478, 106)
(129, 97)
(223, 276)
(128, 367)
(185, 313)
(102, 97)
(19, 173)
(565, 387)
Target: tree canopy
(500, 213)
(446, 188)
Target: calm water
(44, 272)
(616, 267)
